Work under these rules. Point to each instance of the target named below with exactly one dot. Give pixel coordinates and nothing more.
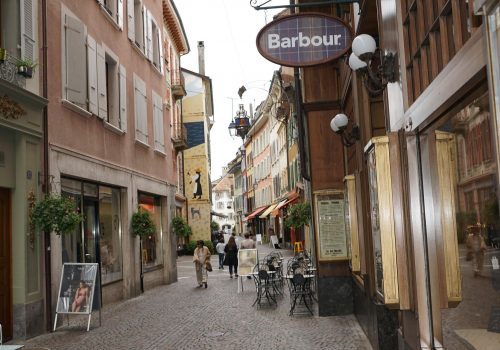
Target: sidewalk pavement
(182, 316)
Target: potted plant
(26, 67)
(57, 214)
(298, 215)
(3, 54)
(142, 223)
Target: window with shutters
(155, 59)
(141, 112)
(112, 91)
(158, 123)
(136, 13)
(74, 57)
(114, 9)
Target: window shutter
(145, 30)
(160, 46)
(119, 13)
(141, 114)
(92, 71)
(122, 75)
(27, 30)
(102, 99)
(158, 123)
(149, 36)
(76, 70)
(131, 22)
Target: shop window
(98, 239)
(151, 245)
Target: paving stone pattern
(182, 316)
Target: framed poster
(76, 289)
(330, 223)
(247, 259)
(382, 220)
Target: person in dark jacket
(231, 259)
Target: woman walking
(231, 260)
(200, 257)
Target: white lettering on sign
(274, 41)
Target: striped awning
(267, 211)
(294, 197)
(255, 213)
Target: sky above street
(229, 29)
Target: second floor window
(141, 111)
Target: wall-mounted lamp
(339, 125)
(364, 48)
(239, 125)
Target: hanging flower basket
(56, 214)
(26, 67)
(142, 223)
(180, 227)
(298, 215)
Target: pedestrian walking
(200, 258)
(231, 258)
(220, 250)
(476, 248)
(247, 243)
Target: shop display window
(151, 245)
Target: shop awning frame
(255, 213)
(267, 211)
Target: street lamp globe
(364, 46)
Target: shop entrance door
(5, 265)
(90, 228)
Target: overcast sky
(229, 29)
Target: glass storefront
(98, 239)
(151, 245)
(463, 143)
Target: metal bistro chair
(299, 291)
(264, 288)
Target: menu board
(330, 220)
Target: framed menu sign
(330, 223)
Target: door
(5, 265)
(90, 227)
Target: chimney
(251, 111)
(201, 57)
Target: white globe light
(363, 44)
(355, 63)
(334, 127)
(340, 120)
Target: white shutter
(131, 22)
(144, 29)
(119, 13)
(141, 115)
(123, 98)
(158, 123)
(100, 2)
(160, 46)
(92, 71)
(102, 100)
(75, 82)
(149, 36)
(27, 30)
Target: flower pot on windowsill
(25, 71)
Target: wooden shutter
(123, 98)
(131, 22)
(149, 36)
(92, 72)
(28, 30)
(158, 123)
(76, 69)
(141, 115)
(119, 13)
(160, 47)
(144, 30)
(102, 99)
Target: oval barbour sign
(304, 39)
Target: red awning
(256, 212)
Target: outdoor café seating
(300, 293)
(264, 287)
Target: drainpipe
(46, 186)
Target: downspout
(46, 185)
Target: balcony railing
(8, 72)
(178, 87)
(179, 136)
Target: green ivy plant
(298, 215)
(180, 227)
(142, 223)
(56, 214)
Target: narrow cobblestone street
(182, 316)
